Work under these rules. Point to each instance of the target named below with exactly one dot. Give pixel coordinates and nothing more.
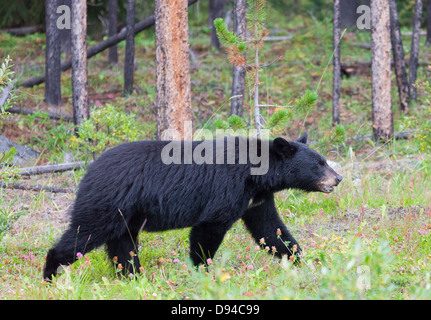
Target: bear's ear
(303, 138)
(284, 148)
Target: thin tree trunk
(399, 62)
(381, 70)
(130, 48)
(79, 62)
(256, 93)
(65, 33)
(429, 22)
(101, 46)
(238, 82)
(52, 55)
(414, 52)
(337, 64)
(216, 10)
(172, 69)
(113, 16)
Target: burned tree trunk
(238, 82)
(337, 65)
(172, 69)
(52, 56)
(113, 16)
(130, 48)
(103, 45)
(79, 62)
(414, 52)
(399, 62)
(64, 25)
(381, 70)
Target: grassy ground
(370, 239)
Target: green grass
(361, 236)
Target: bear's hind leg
(124, 251)
(205, 239)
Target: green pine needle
(236, 122)
(279, 120)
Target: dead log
(52, 115)
(402, 135)
(60, 167)
(36, 187)
(277, 38)
(363, 67)
(365, 45)
(101, 46)
(22, 31)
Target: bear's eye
(321, 163)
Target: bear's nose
(338, 179)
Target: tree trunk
(414, 52)
(52, 56)
(429, 22)
(238, 82)
(337, 65)
(216, 10)
(399, 62)
(65, 33)
(381, 70)
(113, 15)
(101, 46)
(130, 48)
(79, 62)
(172, 69)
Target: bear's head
(302, 167)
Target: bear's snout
(330, 180)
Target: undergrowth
(370, 239)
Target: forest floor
(370, 239)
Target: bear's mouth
(325, 188)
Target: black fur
(128, 189)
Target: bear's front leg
(263, 221)
(205, 238)
(123, 252)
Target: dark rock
(24, 154)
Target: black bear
(206, 185)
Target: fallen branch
(36, 187)
(22, 31)
(402, 135)
(61, 167)
(277, 38)
(365, 45)
(101, 46)
(365, 66)
(275, 106)
(52, 115)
